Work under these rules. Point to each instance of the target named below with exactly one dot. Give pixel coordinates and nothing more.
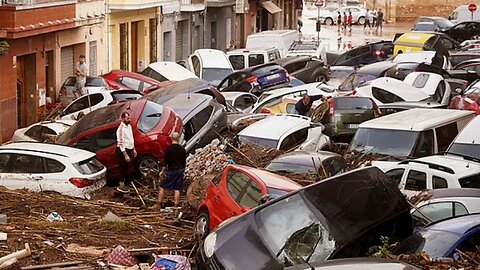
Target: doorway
(213, 35)
(134, 40)
(49, 76)
(26, 90)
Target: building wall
(142, 17)
(220, 15)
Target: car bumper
(204, 263)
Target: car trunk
(351, 111)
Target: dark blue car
(442, 239)
(256, 80)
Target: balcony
(29, 4)
(134, 4)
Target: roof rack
(430, 165)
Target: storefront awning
(270, 7)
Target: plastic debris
(54, 216)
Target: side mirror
(264, 199)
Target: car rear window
(149, 72)
(472, 181)
(291, 168)
(353, 103)
(258, 141)
(151, 115)
(89, 166)
(95, 82)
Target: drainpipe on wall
(205, 24)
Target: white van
(467, 143)
(462, 14)
(412, 133)
(210, 65)
(280, 39)
(244, 58)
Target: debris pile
(467, 260)
(252, 155)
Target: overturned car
(341, 217)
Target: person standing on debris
(379, 20)
(339, 21)
(81, 72)
(175, 163)
(304, 105)
(125, 151)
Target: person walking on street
(379, 20)
(350, 21)
(367, 20)
(374, 17)
(339, 21)
(345, 20)
(173, 171)
(125, 151)
(81, 72)
(304, 105)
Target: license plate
(274, 76)
(352, 125)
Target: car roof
(376, 68)
(251, 50)
(275, 126)
(417, 37)
(416, 119)
(135, 75)
(291, 59)
(212, 58)
(414, 57)
(183, 86)
(452, 192)
(233, 95)
(470, 133)
(458, 225)
(303, 157)
(58, 125)
(74, 155)
(172, 71)
(448, 163)
(186, 103)
(271, 180)
(402, 89)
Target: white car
(210, 65)
(445, 203)
(310, 48)
(285, 132)
(92, 85)
(269, 98)
(421, 57)
(432, 172)
(431, 84)
(167, 71)
(240, 101)
(49, 167)
(39, 132)
(330, 17)
(467, 142)
(388, 90)
(88, 103)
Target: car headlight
(209, 244)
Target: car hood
(354, 207)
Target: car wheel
(329, 21)
(148, 165)
(361, 20)
(202, 224)
(321, 78)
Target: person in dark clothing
(175, 163)
(304, 105)
(339, 21)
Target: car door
(224, 203)
(25, 171)
(416, 181)
(85, 105)
(55, 177)
(302, 72)
(251, 197)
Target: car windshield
(353, 103)
(275, 193)
(215, 74)
(95, 82)
(270, 143)
(297, 240)
(89, 166)
(150, 117)
(396, 143)
(434, 243)
(471, 181)
(355, 80)
(290, 167)
(469, 150)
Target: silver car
(330, 17)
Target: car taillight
(378, 53)
(264, 110)
(81, 182)
(63, 91)
(252, 79)
(331, 111)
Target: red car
(237, 190)
(470, 100)
(152, 126)
(131, 80)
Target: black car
(366, 54)
(192, 85)
(340, 217)
(464, 31)
(255, 80)
(305, 68)
(438, 23)
(458, 57)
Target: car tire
(361, 20)
(148, 166)
(329, 21)
(321, 78)
(202, 224)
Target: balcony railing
(32, 2)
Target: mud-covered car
(340, 217)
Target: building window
(153, 40)
(124, 46)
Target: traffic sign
(472, 7)
(319, 3)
